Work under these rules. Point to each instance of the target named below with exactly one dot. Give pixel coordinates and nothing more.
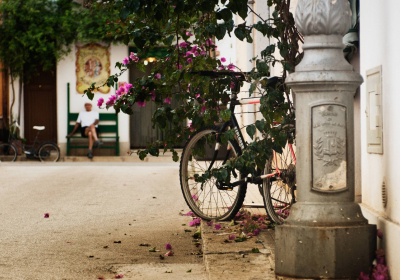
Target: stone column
(326, 235)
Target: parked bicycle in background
(45, 151)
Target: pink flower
(46, 215)
(379, 233)
(100, 102)
(209, 42)
(169, 254)
(178, 66)
(203, 109)
(231, 66)
(203, 53)
(256, 231)
(141, 103)
(120, 91)
(119, 276)
(128, 86)
(125, 61)
(221, 67)
(195, 222)
(195, 198)
(133, 57)
(111, 100)
(196, 53)
(232, 85)
(188, 214)
(153, 95)
(189, 53)
(167, 100)
(232, 237)
(188, 33)
(167, 59)
(184, 45)
(363, 276)
(217, 226)
(168, 246)
(157, 76)
(194, 49)
(189, 60)
(223, 59)
(210, 223)
(197, 95)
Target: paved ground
(234, 260)
(93, 205)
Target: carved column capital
(323, 17)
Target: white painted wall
(66, 74)
(379, 46)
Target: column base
(324, 252)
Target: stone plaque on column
(329, 148)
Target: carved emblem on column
(329, 147)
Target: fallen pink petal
(217, 226)
(195, 198)
(46, 215)
(232, 237)
(169, 254)
(210, 223)
(119, 276)
(168, 246)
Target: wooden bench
(108, 124)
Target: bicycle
(47, 151)
(215, 200)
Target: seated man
(88, 120)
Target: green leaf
(152, 249)
(225, 14)
(262, 67)
(252, 88)
(260, 125)
(175, 156)
(187, 77)
(124, 13)
(240, 33)
(139, 42)
(229, 25)
(211, 28)
(220, 32)
(251, 130)
(226, 114)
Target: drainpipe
(326, 235)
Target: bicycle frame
(14, 141)
(233, 123)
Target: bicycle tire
(219, 208)
(8, 152)
(49, 152)
(280, 193)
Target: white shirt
(86, 118)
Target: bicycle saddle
(38, 127)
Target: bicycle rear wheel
(208, 201)
(8, 152)
(280, 192)
(49, 152)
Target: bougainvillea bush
(188, 30)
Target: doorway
(141, 130)
(40, 106)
